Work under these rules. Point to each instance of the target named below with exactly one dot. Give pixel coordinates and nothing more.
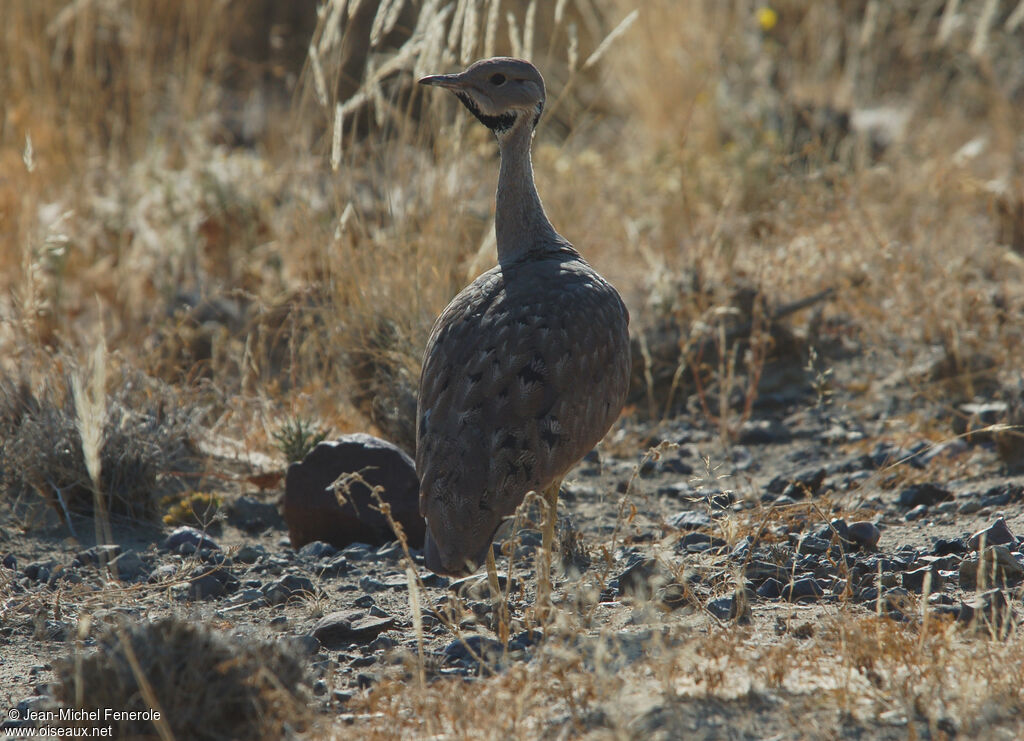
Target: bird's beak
(452, 82)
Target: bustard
(528, 366)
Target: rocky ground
(818, 513)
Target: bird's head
(500, 92)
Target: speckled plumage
(525, 370)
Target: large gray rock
(313, 512)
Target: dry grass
(272, 231)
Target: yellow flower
(767, 18)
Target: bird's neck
(520, 224)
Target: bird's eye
(497, 79)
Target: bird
(527, 368)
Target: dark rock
(210, 582)
(40, 571)
(730, 608)
(699, 543)
(129, 567)
(863, 534)
(288, 588)
(189, 536)
(689, 520)
(927, 494)
(764, 432)
(770, 589)
(317, 549)
(349, 626)
(759, 571)
(913, 581)
(953, 546)
(802, 589)
(250, 553)
(9, 562)
(477, 587)
(642, 577)
(673, 596)
(98, 555)
(161, 573)
(989, 610)
(998, 533)
(357, 552)
(311, 507)
(472, 649)
(997, 567)
(332, 566)
(252, 515)
(804, 484)
(810, 544)
(370, 585)
(887, 454)
(916, 513)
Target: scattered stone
(189, 536)
(252, 515)
(129, 567)
(40, 571)
(370, 585)
(472, 649)
(288, 588)
(770, 589)
(804, 484)
(643, 577)
(672, 596)
(927, 494)
(250, 553)
(477, 586)
(953, 546)
(699, 543)
(350, 626)
(9, 562)
(802, 589)
(98, 555)
(988, 611)
(312, 508)
(689, 520)
(998, 533)
(764, 432)
(730, 608)
(913, 581)
(916, 513)
(863, 534)
(210, 582)
(998, 568)
(317, 549)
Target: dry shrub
(146, 435)
(206, 685)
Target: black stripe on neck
(497, 124)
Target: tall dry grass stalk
(89, 391)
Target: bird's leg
(547, 546)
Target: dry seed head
(610, 39)
(528, 25)
(469, 32)
(456, 29)
(384, 21)
(560, 10)
(513, 35)
(319, 83)
(574, 46)
(491, 31)
(332, 26)
(336, 138)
